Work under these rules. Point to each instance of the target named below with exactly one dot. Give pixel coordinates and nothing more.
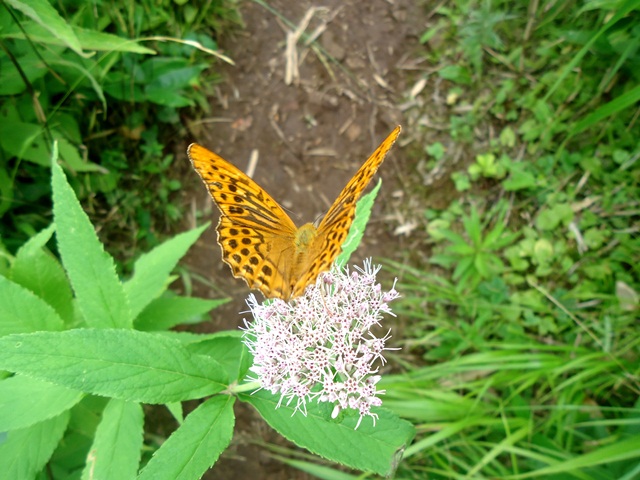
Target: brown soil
(310, 135)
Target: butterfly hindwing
(257, 256)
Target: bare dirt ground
(312, 113)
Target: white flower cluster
(320, 345)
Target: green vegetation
(106, 83)
(529, 330)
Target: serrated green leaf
(228, 349)
(21, 311)
(166, 312)
(115, 452)
(99, 293)
(124, 364)
(40, 272)
(369, 448)
(25, 452)
(26, 401)
(356, 232)
(151, 270)
(196, 444)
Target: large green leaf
(124, 364)
(26, 401)
(115, 453)
(99, 293)
(370, 448)
(152, 269)
(196, 445)
(21, 311)
(25, 452)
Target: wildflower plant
(77, 342)
(322, 346)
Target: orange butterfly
(260, 242)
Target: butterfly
(259, 241)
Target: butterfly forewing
(236, 195)
(256, 236)
(345, 205)
(334, 227)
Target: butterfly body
(260, 242)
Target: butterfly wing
(254, 232)
(334, 227)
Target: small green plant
(475, 257)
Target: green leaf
(356, 232)
(461, 181)
(26, 401)
(550, 218)
(507, 137)
(101, 41)
(115, 452)
(124, 364)
(99, 293)
(6, 191)
(12, 81)
(72, 158)
(151, 270)
(27, 141)
(456, 74)
(229, 350)
(369, 448)
(44, 14)
(24, 141)
(627, 449)
(82, 73)
(436, 150)
(40, 272)
(25, 452)
(520, 178)
(89, 39)
(167, 97)
(542, 251)
(168, 311)
(626, 100)
(21, 311)
(196, 444)
(624, 9)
